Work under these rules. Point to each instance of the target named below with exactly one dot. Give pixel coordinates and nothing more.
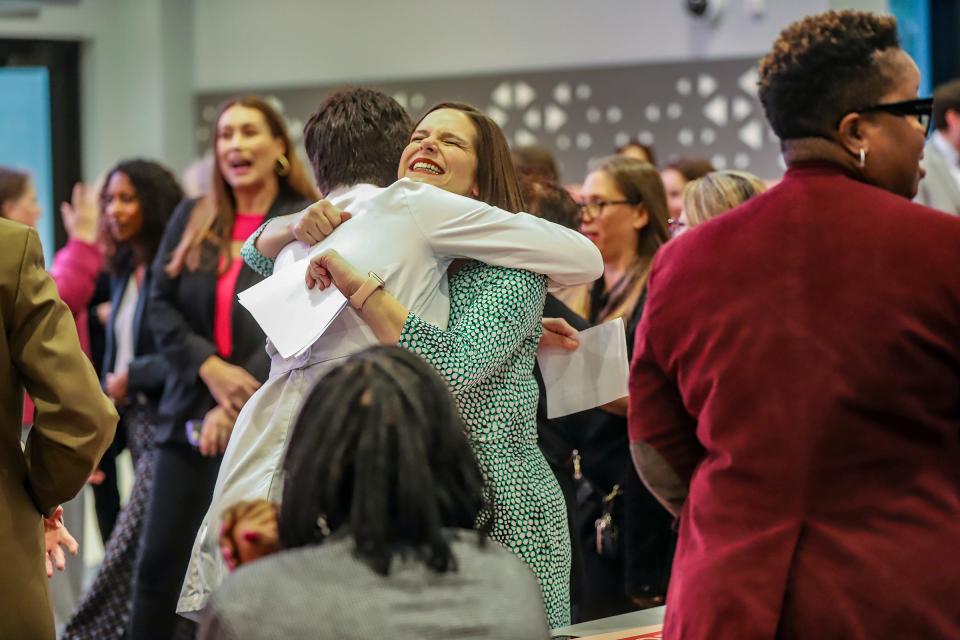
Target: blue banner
(25, 138)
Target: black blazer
(148, 369)
(181, 317)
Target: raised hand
(81, 216)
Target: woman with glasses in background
(624, 213)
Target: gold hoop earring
(863, 158)
(283, 166)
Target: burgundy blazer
(798, 364)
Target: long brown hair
(211, 221)
(497, 182)
(639, 182)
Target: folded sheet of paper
(593, 375)
(292, 316)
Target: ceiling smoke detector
(707, 9)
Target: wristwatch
(367, 289)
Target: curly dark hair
(378, 450)
(159, 193)
(822, 68)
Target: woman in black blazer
(213, 346)
(137, 200)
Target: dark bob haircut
(158, 193)
(356, 135)
(379, 451)
(822, 68)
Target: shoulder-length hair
(158, 194)
(717, 192)
(640, 183)
(211, 221)
(497, 182)
(379, 450)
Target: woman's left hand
(55, 537)
(215, 433)
(558, 333)
(329, 268)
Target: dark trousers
(106, 495)
(182, 490)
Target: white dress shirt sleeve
(459, 227)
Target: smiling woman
(444, 139)
(214, 347)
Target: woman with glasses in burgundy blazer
(795, 389)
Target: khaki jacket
(74, 423)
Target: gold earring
(283, 166)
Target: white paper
(292, 316)
(593, 375)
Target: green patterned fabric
(252, 256)
(486, 355)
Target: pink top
(243, 226)
(74, 270)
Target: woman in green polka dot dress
(486, 354)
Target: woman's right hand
(81, 216)
(215, 432)
(317, 221)
(248, 531)
(231, 386)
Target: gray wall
(142, 59)
(706, 108)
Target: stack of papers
(292, 316)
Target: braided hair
(379, 450)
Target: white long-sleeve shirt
(410, 232)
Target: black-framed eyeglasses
(921, 109)
(593, 209)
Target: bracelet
(367, 289)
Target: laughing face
(442, 152)
(247, 151)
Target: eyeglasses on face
(592, 209)
(921, 109)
